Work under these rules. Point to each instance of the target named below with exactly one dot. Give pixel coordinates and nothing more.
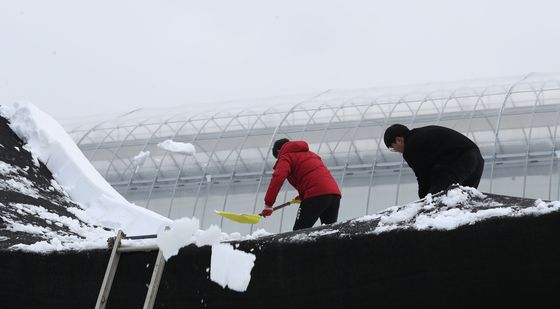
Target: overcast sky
(75, 58)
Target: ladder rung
(138, 248)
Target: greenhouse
(514, 121)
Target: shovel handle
(283, 205)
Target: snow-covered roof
(75, 208)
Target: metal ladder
(112, 269)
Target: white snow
(48, 142)
(139, 160)
(540, 208)
(458, 196)
(176, 235)
(178, 147)
(257, 234)
(6, 168)
(230, 267)
(425, 215)
(453, 218)
(94, 237)
(211, 236)
(21, 185)
(401, 214)
(310, 236)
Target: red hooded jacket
(304, 170)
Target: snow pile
(48, 142)
(178, 147)
(457, 207)
(228, 266)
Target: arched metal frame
(347, 114)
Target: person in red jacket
(306, 172)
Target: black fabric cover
(506, 262)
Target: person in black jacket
(438, 156)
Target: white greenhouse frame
(514, 122)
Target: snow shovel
(251, 218)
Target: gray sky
(76, 58)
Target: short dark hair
(278, 145)
(392, 132)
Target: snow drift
(80, 189)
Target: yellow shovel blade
(241, 218)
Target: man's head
(394, 137)
(278, 145)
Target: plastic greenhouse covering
(514, 121)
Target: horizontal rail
(144, 248)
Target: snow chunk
(178, 147)
(460, 195)
(139, 160)
(541, 208)
(177, 234)
(230, 267)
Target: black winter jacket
(433, 147)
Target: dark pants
(324, 207)
(466, 171)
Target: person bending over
(439, 156)
(306, 172)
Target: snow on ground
(178, 147)
(48, 142)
